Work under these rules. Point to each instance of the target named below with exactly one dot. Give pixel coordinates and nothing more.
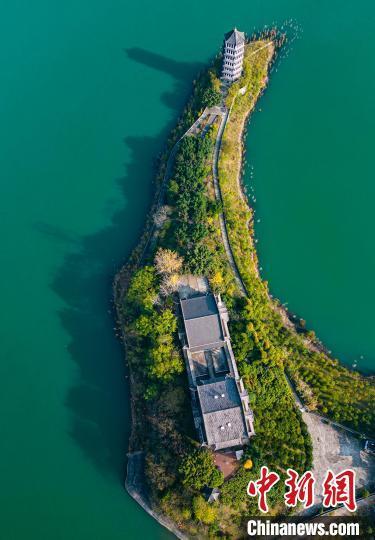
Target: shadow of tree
(183, 74)
(98, 401)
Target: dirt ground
(227, 463)
(337, 450)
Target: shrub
(211, 97)
(167, 261)
(198, 470)
(203, 511)
(142, 292)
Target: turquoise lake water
(88, 93)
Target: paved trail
(223, 227)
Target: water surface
(88, 93)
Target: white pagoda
(234, 48)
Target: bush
(199, 260)
(234, 491)
(198, 470)
(203, 511)
(142, 292)
(211, 97)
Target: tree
(182, 235)
(168, 262)
(151, 392)
(199, 259)
(144, 325)
(198, 469)
(156, 324)
(165, 323)
(161, 216)
(203, 511)
(234, 492)
(214, 208)
(157, 472)
(172, 189)
(211, 97)
(217, 281)
(142, 291)
(217, 478)
(198, 232)
(165, 361)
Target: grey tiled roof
(225, 428)
(226, 387)
(235, 37)
(222, 415)
(202, 322)
(204, 332)
(199, 306)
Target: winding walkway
(223, 225)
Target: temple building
(234, 48)
(220, 403)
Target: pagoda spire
(234, 48)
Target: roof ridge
(204, 316)
(223, 409)
(235, 36)
(197, 297)
(217, 381)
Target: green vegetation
(142, 292)
(153, 328)
(325, 384)
(198, 470)
(282, 439)
(237, 213)
(187, 195)
(203, 511)
(189, 240)
(193, 230)
(211, 97)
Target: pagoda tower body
(234, 48)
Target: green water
(311, 149)
(88, 92)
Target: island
(223, 378)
